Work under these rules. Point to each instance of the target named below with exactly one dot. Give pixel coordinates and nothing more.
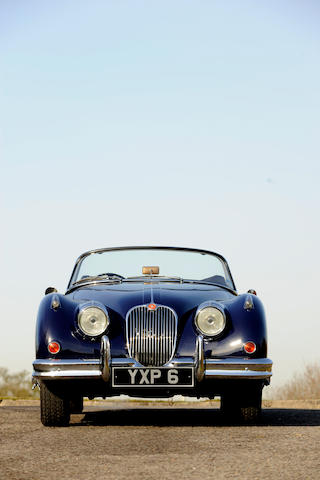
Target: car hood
(179, 296)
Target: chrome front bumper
(224, 368)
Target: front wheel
(76, 404)
(55, 409)
(242, 405)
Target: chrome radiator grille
(151, 334)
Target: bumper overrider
(203, 368)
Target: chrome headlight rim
(216, 306)
(93, 305)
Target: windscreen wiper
(103, 277)
(145, 278)
(225, 287)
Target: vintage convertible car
(150, 322)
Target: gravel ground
(120, 440)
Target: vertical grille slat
(151, 334)
(164, 333)
(167, 334)
(136, 339)
(153, 343)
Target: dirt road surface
(128, 440)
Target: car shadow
(166, 417)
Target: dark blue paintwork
(184, 298)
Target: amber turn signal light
(54, 347)
(250, 347)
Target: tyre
(250, 414)
(242, 405)
(76, 404)
(55, 410)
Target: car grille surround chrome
(151, 334)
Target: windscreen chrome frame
(194, 250)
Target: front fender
(60, 324)
(243, 325)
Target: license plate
(152, 377)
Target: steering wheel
(109, 274)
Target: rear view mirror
(50, 290)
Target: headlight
(210, 321)
(93, 320)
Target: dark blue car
(150, 322)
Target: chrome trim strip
(53, 364)
(126, 362)
(227, 368)
(199, 359)
(67, 375)
(239, 363)
(181, 362)
(47, 369)
(237, 374)
(105, 358)
(250, 368)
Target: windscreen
(156, 263)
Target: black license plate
(152, 377)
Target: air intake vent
(151, 334)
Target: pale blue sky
(174, 123)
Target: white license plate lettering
(132, 374)
(154, 374)
(144, 377)
(147, 377)
(173, 378)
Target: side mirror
(252, 291)
(50, 290)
